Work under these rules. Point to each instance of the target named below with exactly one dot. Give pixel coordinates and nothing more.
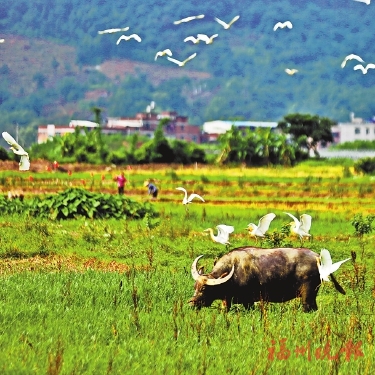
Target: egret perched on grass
(262, 227)
(18, 150)
(189, 199)
(301, 228)
(227, 25)
(223, 232)
(325, 265)
(182, 63)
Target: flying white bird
(182, 63)
(301, 228)
(192, 39)
(262, 227)
(187, 200)
(364, 69)
(125, 37)
(18, 150)
(206, 38)
(188, 19)
(325, 265)
(364, 1)
(223, 232)
(163, 53)
(291, 71)
(351, 57)
(110, 31)
(281, 25)
(2, 40)
(227, 25)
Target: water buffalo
(249, 274)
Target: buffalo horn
(194, 271)
(221, 280)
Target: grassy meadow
(110, 296)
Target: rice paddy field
(86, 296)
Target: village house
(144, 123)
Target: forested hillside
(246, 62)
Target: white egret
(291, 71)
(163, 53)
(352, 56)
(364, 69)
(281, 25)
(182, 63)
(188, 19)
(227, 25)
(223, 232)
(192, 39)
(367, 2)
(262, 227)
(116, 30)
(125, 37)
(18, 150)
(207, 39)
(301, 228)
(189, 199)
(325, 265)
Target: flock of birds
(167, 52)
(210, 39)
(301, 228)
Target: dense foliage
(75, 202)
(365, 165)
(246, 62)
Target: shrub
(365, 165)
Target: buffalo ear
(201, 270)
(223, 275)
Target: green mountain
(64, 59)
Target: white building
(212, 129)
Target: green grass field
(111, 296)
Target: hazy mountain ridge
(246, 62)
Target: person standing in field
(121, 181)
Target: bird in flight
(125, 37)
(325, 265)
(364, 1)
(301, 228)
(110, 31)
(227, 25)
(188, 19)
(18, 150)
(351, 57)
(189, 199)
(2, 40)
(291, 71)
(207, 39)
(182, 63)
(282, 25)
(163, 53)
(192, 39)
(223, 232)
(262, 227)
(364, 69)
